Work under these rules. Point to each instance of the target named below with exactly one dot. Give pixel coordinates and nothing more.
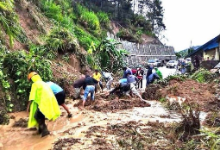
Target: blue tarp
(211, 46)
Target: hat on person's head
(128, 72)
(31, 74)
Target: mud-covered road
(78, 126)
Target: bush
(126, 35)
(55, 11)
(202, 75)
(9, 22)
(85, 39)
(87, 18)
(61, 40)
(17, 65)
(103, 18)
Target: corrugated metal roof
(213, 43)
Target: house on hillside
(208, 52)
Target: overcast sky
(190, 21)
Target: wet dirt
(111, 123)
(84, 124)
(194, 92)
(113, 103)
(152, 92)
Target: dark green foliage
(178, 55)
(18, 65)
(5, 87)
(4, 118)
(108, 56)
(149, 22)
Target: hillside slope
(58, 39)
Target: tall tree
(156, 15)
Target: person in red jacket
(139, 75)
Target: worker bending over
(60, 96)
(42, 104)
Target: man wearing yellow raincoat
(42, 104)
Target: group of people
(151, 75)
(45, 97)
(127, 85)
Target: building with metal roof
(209, 50)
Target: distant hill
(184, 52)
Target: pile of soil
(21, 123)
(113, 105)
(152, 92)
(195, 92)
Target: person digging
(60, 96)
(42, 104)
(122, 88)
(89, 84)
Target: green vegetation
(150, 22)
(9, 23)
(107, 56)
(4, 83)
(87, 18)
(55, 11)
(17, 65)
(85, 39)
(178, 77)
(103, 19)
(203, 75)
(73, 25)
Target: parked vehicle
(188, 60)
(171, 64)
(154, 62)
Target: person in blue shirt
(60, 96)
(149, 71)
(126, 86)
(126, 71)
(152, 77)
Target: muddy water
(25, 139)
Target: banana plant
(109, 55)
